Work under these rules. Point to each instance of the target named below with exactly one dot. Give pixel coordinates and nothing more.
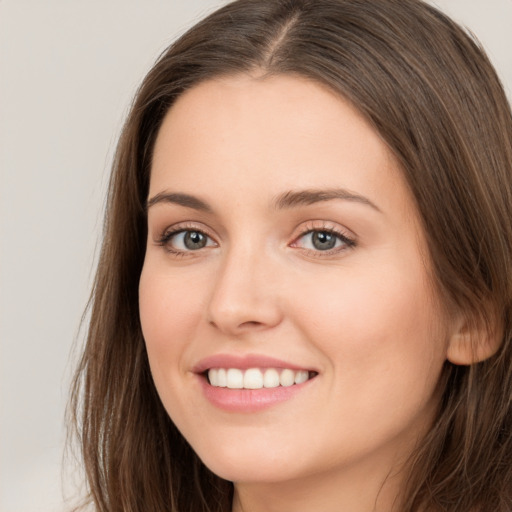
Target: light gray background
(68, 70)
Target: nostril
(250, 324)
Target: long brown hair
(429, 90)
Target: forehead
(264, 134)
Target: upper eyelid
(322, 225)
(179, 227)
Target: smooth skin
(244, 273)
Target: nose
(245, 295)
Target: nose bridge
(245, 295)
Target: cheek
(385, 354)
(169, 314)
(380, 328)
(169, 309)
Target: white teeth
(234, 378)
(254, 378)
(222, 378)
(213, 377)
(301, 376)
(271, 378)
(287, 378)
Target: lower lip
(250, 400)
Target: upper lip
(244, 362)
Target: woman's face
(284, 246)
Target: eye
(186, 240)
(323, 240)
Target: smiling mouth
(256, 378)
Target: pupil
(194, 240)
(323, 240)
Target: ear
(473, 341)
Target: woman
(303, 300)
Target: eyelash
(169, 234)
(347, 241)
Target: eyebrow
(186, 200)
(289, 199)
(293, 199)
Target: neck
(362, 489)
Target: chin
(258, 473)
(253, 466)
